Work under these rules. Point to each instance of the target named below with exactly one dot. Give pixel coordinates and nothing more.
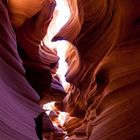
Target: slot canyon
(69, 70)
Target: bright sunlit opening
(62, 116)
(60, 18)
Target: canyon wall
(104, 88)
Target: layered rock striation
(103, 96)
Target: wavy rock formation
(106, 86)
(103, 96)
(19, 102)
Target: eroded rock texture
(106, 86)
(19, 102)
(104, 91)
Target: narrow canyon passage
(70, 70)
(62, 48)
